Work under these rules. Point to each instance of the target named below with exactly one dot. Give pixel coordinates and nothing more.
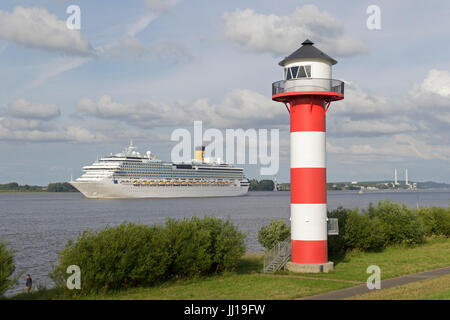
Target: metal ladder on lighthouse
(276, 258)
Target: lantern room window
(297, 72)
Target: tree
(274, 232)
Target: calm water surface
(39, 225)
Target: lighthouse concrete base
(310, 267)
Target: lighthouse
(307, 90)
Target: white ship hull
(107, 189)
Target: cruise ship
(130, 175)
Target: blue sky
(138, 71)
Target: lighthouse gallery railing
(308, 84)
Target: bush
(130, 255)
(385, 224)
(336, 243)
(400, 223)
(227, 244)
(274, 232)
(202, 246)
(7, 268)
(115, 258)
(263, 185)
(435, 221)
(362, 232)
(61, 187)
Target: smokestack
(200, 153)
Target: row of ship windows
(183, 173)
(173, 172)
(179, 176)
(205, 174)
(169, 169)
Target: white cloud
(237, 109)
(24, 124)
(160, 5)
(436, 82)
(397, 148)
(132, 47)
(21, 108)
(371, 126)
(37, 28)
(35, 122)
(366, 128)
(56, 67)
(79, 134)
(139, 25)
(432, 95)
(358, 101)
(281, 35)
(36, 135)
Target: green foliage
(115, 257)
(15, 187)
(386, 224)
(262, 185)
(7, 268)
(362, 232)
(202, 246)
(130, 254)
(61, 187)
(436, 221)
(9, 186)
(400, 223)
(52, 187)
(336, 243)
(274, 232)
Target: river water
(38, 225)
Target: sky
(141, 69)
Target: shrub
(274, 232)
(188, 245)
(362, 232)
(263, 185)
(114, 258)
(61, 187)
(7, 268)
(202, 246)
(400, 224)
(435, 221)
(227, 243)
(130, 255)
(383, 225)
(336, 243)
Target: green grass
(248, 281)
(393, 261)
(430, 289)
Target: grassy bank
(248, 281)
(394, 261)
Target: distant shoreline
(44, 191)
(14, 187)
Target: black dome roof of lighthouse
(307, 51)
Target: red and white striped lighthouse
(307, 91)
